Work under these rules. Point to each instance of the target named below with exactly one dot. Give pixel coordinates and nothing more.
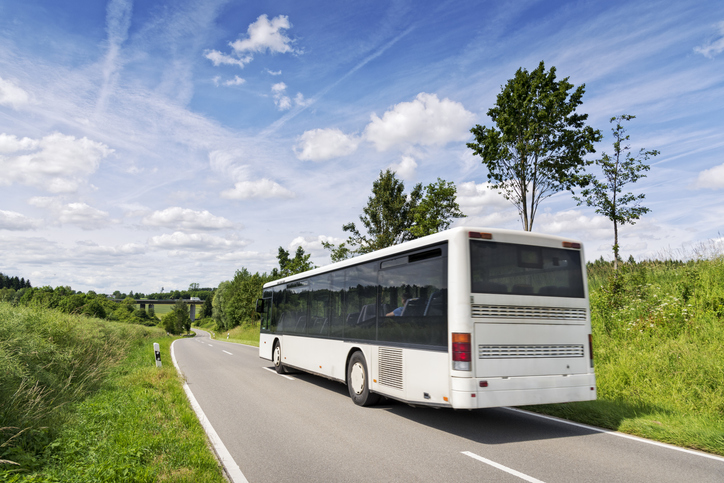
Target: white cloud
(711, 178)
(426, 121)
(194, 241)
(10, 220)
(714, 47)
(12, 95)
(282, 101)
(299, 100)
(263, 188)
(323, 144)
(83, 216)
(271, 72)
(55, 163)
(186, 219)
(78, 214)
(405, 168)
(90, 248)
(219, 58)
(236, 81)
(476, 198)
(265, 35)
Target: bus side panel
(321, 356)
(416, 376)
(266, 345)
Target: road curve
(300, 427)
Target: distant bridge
(151, 302)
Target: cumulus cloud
(194, 241)
(265, 35)
(475, 198)
(90, 248)
(55, 163)
(713, 47)
(81, 215)
(405, 168)
(236, 81)
(10, 220)
(323, 144)
(12, 95)
(186, 219)
(711, 178)
(426, 121)
(263, 188)
(219, 58)
(282, 101)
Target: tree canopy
(392, 217)
(539, 142)
(618, 170)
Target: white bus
(467, 318)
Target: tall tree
(289, 266)
(392, 217)
(540, 142)
(618, 170)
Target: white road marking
(275, 372)
(511, 471)
(232, 469)
(211, 345)
(227, 352)
(621, 435)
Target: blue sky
(150, 144)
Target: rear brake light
(572, 245)
(461, 352)
(590, 348)
(483, 236)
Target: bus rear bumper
(475, 393)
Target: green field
(81, 400)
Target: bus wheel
(277, 358)
(358, 381)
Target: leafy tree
(289, 266)
(618, 170)
(207, 309)
(540, 142)
(391, 217)
(219, 305)
(183, 320)
(436, 209)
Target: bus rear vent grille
(391, 367)
(528, 351)
(519, 312)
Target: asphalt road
(300, 427)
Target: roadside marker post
(157, 350)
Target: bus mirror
(260, 305)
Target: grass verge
(659, 362)
(134, 425)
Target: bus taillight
(590, 347)
(461, 352)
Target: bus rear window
(506, 268)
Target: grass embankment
(242, 334)
(658, 329)
(83, 401)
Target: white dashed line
(227, 352)
(511, 471)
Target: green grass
(133, 423)
(658, 330)
(243, 334)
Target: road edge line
(619, 434)
(232, 470)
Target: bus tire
(358, 381)
(277, 358)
